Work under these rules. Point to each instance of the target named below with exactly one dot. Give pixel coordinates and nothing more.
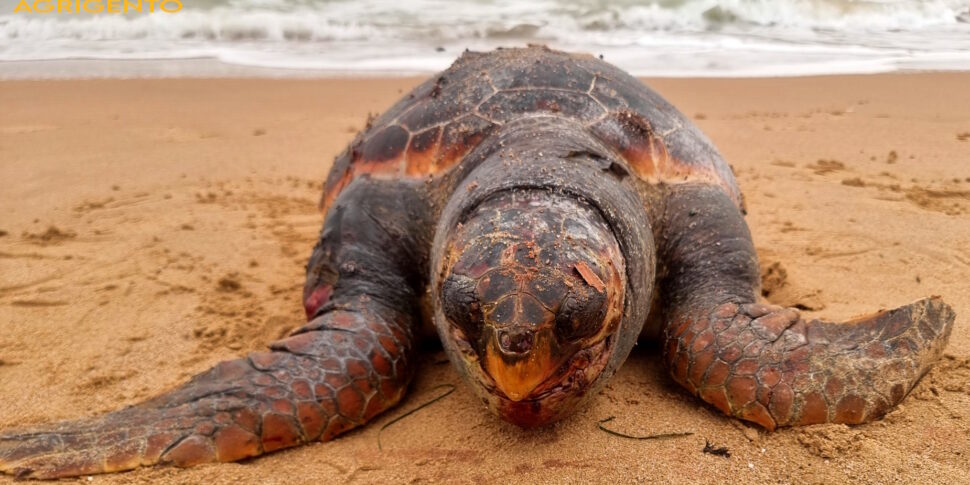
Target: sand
(152, 228)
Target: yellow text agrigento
(98, 6)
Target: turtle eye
(461, 306)
(581, 314)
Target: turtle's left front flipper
(765, 363)
(312, 386)
(352, 361)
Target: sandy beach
(151, 228)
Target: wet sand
(152, 228)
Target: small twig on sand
(661, 436)
(450, 387)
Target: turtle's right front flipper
(765, 363)
(352, 361)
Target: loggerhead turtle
(544, 210)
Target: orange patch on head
(590, 277)
(517, 379)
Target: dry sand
(152, 228)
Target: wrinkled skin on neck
(532, 296)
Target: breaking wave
(661, 37)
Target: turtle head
(531, 295)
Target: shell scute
(385, 145)
(423, 151)
(677, 151)
(507, 105)
(622, 95)
(461, 136)
(635, 139)
(454, 97)
(432, 128)
(551, 71)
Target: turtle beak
(520, 359)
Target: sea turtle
(544, 210)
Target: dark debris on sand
(716, 450)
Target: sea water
(403, 37)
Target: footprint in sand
(949, 201)
(51, 236)
(831, 440)
(822, 167)
(778, 289)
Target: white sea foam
(659, 37)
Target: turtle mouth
(574, 376)
(553, 399)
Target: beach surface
(152, 228)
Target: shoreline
(205, 67)
(126, 202)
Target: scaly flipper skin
(312, 386)
(764, 363)
(348, 364)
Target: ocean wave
(279, 21)
(363, 32)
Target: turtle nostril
(515, 342)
